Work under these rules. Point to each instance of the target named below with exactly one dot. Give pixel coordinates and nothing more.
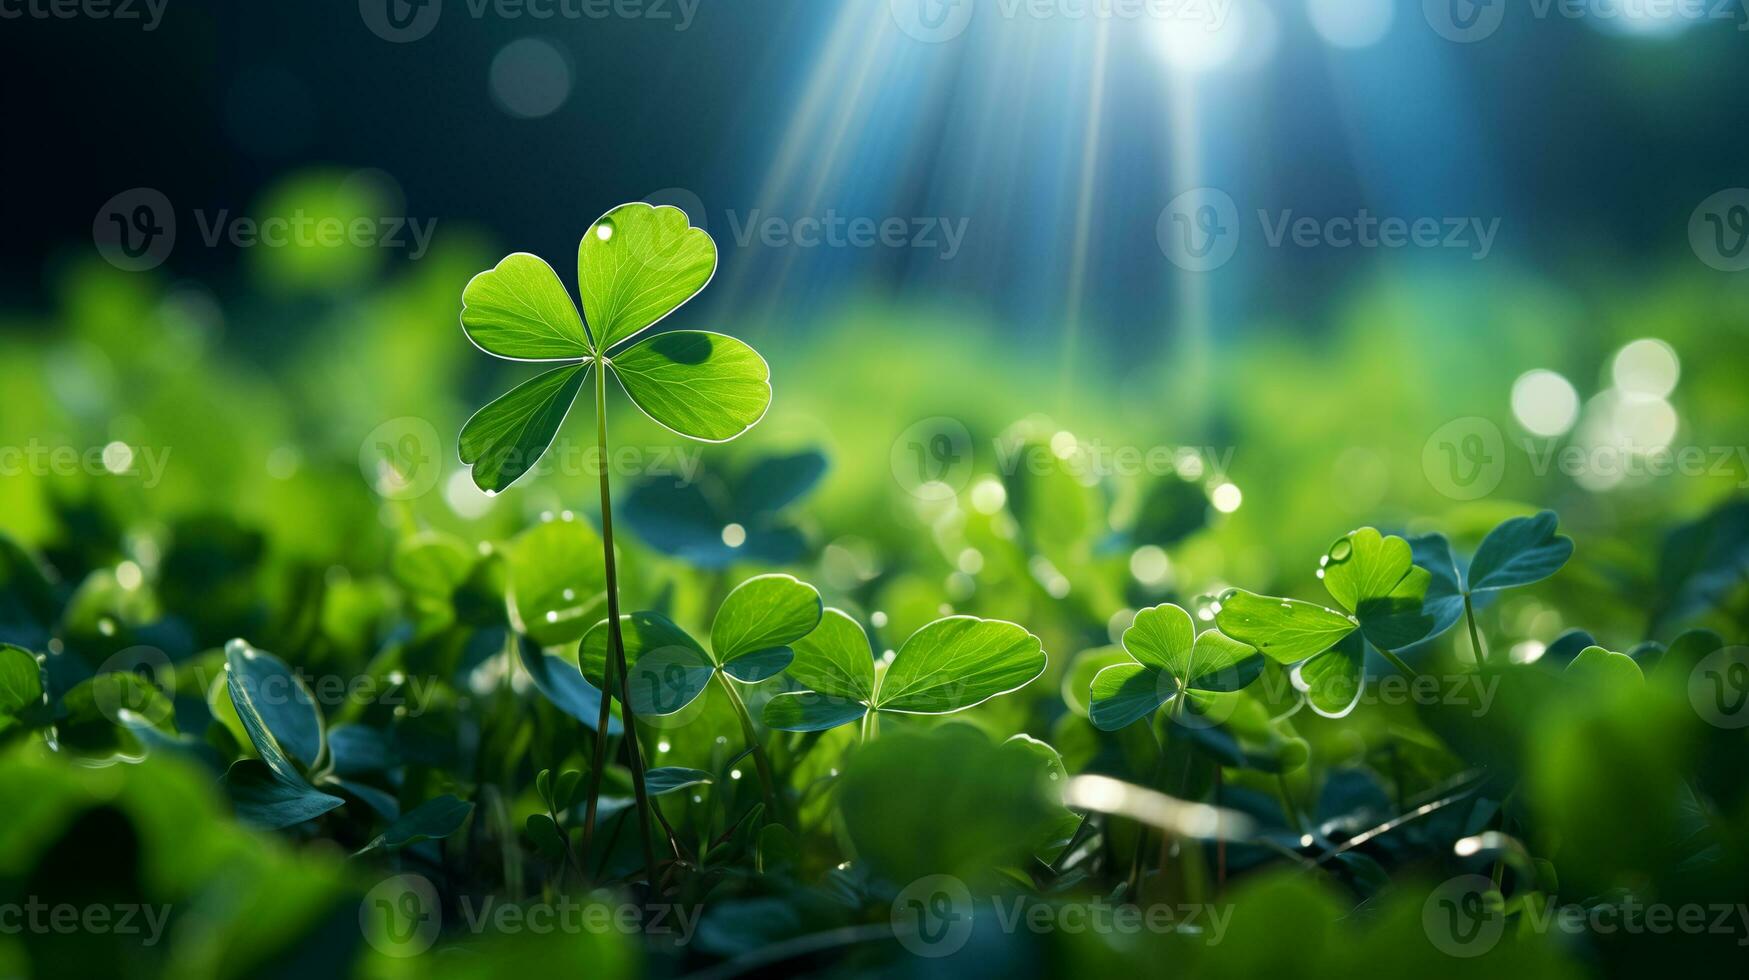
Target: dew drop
(1341, 550)
(1226, 596)
(604, 229)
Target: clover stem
(1143, 832)
(1288, 804)
(1475, 637)
(1398, 663)
(634, 751)
(602, 737)
(871, 725)
(747, 732)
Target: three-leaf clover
(1171, 664)
(635, 265)
(947, 666)
(1370, 575)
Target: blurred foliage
(247, 507)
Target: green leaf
(636, 265)
(947, 801)
(545, 835)
(1518, 552)
(1162, 637)
(266, 799)
(557, 581)
(1375, 576)
(569, 791)
(21, 682)
(1332, 680)
(757, 622)
(1400, 619)
(564, 685)
(667, 779)
(432, 563)
(276, 710)
(1078, 677)
(835, 660)
(702, 385)
(1285, 630)
(519, 310)
(810, 711)
(1364, 566)
(505, 439)
(1604, 668)
(667, 667)
(431, 820)
(1126, 693)
(958, 662)
(97, 716)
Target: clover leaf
(635, 266)
(751, 641)
(947, 666)
(1374, 578)
(21, 685)
(1519, 551)
(1171, 664)
(284, 726)
(557, 580)
(1605, 668)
